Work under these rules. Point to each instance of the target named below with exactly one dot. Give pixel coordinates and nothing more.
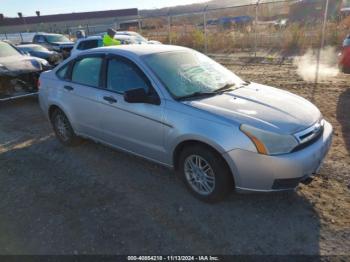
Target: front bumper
(18, 83)
(257, 172)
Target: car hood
(43, 53)
(263, 107)
(20, 64)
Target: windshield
(136, 36)
(7, 50)
(139, 37)
(185, 73)
(138, 40)
(56, 38)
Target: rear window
(88, 44)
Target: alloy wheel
(199, 174)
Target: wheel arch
(53, 107)
(191, 142)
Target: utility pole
(20, 15)
(256, 27)
(169, 26)
(322, 42)
(205, 29)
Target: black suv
(54, 42)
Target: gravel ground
(91, 199)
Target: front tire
(205, 173)
(63, 129)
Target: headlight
(269, 143)
(44, 62)
(40, 63)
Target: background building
(69, 23)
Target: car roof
(89, 38)
(121, 36)
(27, 45)
(128, 32)
(125, 32)
(124, 36)
(139, 50)
(47, 34)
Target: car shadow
(91, 199)
(343, 117)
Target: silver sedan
(177, 107)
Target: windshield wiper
(230, 87)
(227, 87)
(197, 95)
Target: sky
(10, 8)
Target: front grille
(309, 136)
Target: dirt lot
(92, 200)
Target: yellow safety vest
(109, 41)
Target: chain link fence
(262, 31)
(266, 31)
(285, 26)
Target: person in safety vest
(108, 39)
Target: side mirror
(139, 95)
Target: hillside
(196, 7)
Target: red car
(344, 56)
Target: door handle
(110, 99)
(69, 88)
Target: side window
(91, 44)
(62, 72)
(87, 71)
(39, 39)
(81, 45)
(123, 75)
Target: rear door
(82, 94)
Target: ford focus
(179, 108)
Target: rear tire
(205, 173)
(63, 129)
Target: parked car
(53, 57)
(179, 108)
(97, 41)
(18, 73)
(344, 56)
(54, 42)
(139, 39)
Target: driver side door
(135, 127)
